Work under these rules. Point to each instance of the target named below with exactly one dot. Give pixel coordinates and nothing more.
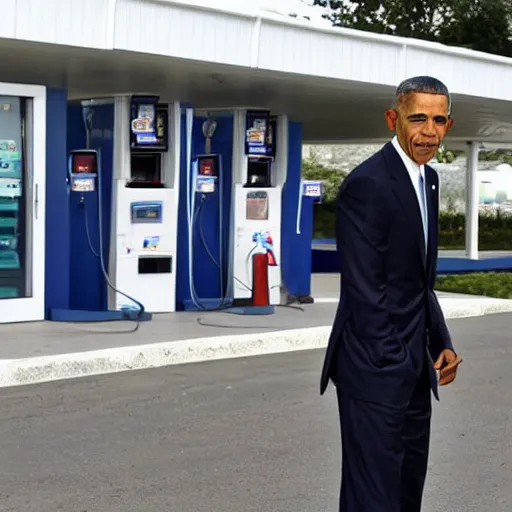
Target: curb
(18, 372)
(467, 307)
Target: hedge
(494, 234)
(491, 284)
(495, 231)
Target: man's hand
(447, 364)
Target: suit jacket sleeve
(440, 338)
(362, 232)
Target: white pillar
(472, 201)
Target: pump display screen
(146, 212)
(83, 163)
(259, 172)
(206, 167)
(145, 167)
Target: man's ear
(450, 123)
(391, 119)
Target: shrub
(490, 284)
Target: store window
(14, 228)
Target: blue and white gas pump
(85, 193)
(205, 197)
(232, 216)
(143, 243)
(260, 169)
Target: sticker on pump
(205, 184)
(82, 185)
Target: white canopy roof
(338, 82)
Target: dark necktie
(423, 207)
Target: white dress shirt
(414, 170)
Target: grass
(488, 284)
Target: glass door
(22, 174)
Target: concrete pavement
(41, 352)
(57, 351)
(249, 435)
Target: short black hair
(422, 84)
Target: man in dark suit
(389, 336)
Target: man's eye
(440, 120)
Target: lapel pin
(433, 187)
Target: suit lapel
(406, 196)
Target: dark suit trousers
(385, 452)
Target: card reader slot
(155, 264)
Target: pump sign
(313, 189)
(206, 184)
(259, 134)
(148, 124)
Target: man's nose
(429, 128)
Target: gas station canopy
(337, 82)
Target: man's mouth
(425, 146)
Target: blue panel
(182, 281)
(458, 265)
(296, 248)
(302, 275)
(326, 261)
(57, 207)
(88, 290)
(206, 271)
(324, 241)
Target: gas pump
(207, 266)
(85, 191)
(259, 175)
(143, 235)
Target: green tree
(483, 25)
(408, 18)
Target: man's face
(421, 122)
